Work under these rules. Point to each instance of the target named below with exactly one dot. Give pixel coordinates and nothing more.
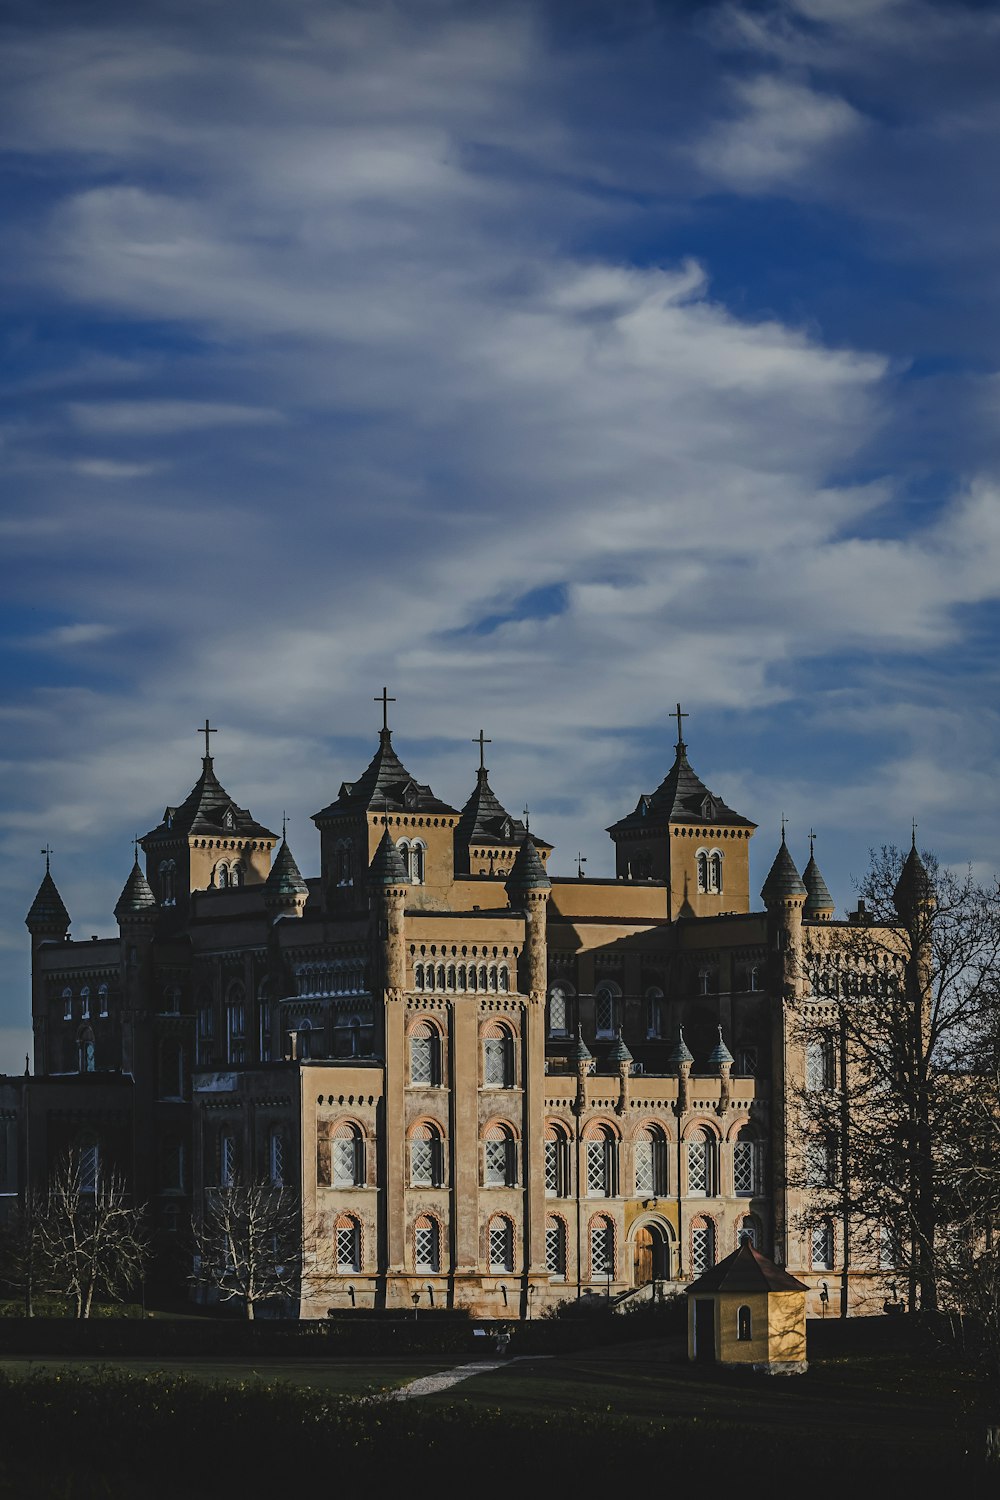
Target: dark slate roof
(914, 883)
(720, 1053)
(137, 895)
(818, 898)
(682, 1052)
(581, 1053)
(387, 867)
(484, 818)
(47, 909)
(619, 1053)
(284, 878)
(386, 783)
(783, 879)
(209, 809)
(746, 1270)
(527, 872)
(681, 797)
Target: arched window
(426, 1156)
(504, 978)
(85, 1046)
(172, 1070)
(236, 874)
(501, 1243)
(347, 1244)
(702, 1246)
(439, 982)
(450, 977)
(418, 976)
(499, 1157)
(227, 1159)
(702, 1164)
(559, 1011)
(748, 1232)
(715, 872)
(222, 875)
(819, 1064)
(425, 1056)
(172, 1165)
(748, 1174)
(403, 848)
(822, 1246)
(702, 865)
(651, 1161)
(602, 1161)
(88, 1153)
(654, 1012)
(418, 856)
(168, 882)
(347, 1156)
(67, 1000)
(85, 1002)
(171, 1000)
(264, 1020)
(820, 1160)
(744, 1325)
(236, 1024)
(343, 862)
(102, 1000)
(557, 1161)
(602, 1249)
(206, 1030)
(276, 1156)
(555, 1247)
(606, 1008)
(498, 1057)
(427, 1244)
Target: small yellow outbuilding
(748, 1311)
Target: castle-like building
(489, 1086)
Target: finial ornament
(914, 833)
(679, 716)
(482, 742)
(812, 840)
(784, 821)
(135, 847)
(527, 825)
(284, 826)
(581, 860)
(385, 700)
(206, 731)
(47, 851)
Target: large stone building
(489, 1086)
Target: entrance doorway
(650, 1255)
(704, 1330)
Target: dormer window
(708, 809)
(228, 819)
(409, 795)
(507, 829)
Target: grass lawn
(344, 1376)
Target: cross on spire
(914, 833)
(812, 840)
(482, 742)
(784, 820)
(135, 847)
(206, 732)
(284, 826)
(385, 700)
(47, 851)
(679, 716)
(527, 815)
(581, 860)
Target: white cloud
(157, 417)
(780, 132)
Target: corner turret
(819, 903)
(285, 892)
(47, 916)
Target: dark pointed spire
(819, 903)
(619, 1053)
(387, 867)
(681, 1053)
(47, 913)
(783, 879)
(284, 881)
(581, 1053)
(136, 897)
(527, 872)
(913, 888)
(719, 1055)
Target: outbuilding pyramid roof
(746, 1270)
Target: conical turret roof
(527, 872)
(137, 895)
(681, 1053)
(208, 809)
(581, 1053)
(720, 1054)
(914, 885)
(387, 867)
(783, 878)
(681, 797)
(386, 783)
(284, 881)
(47, 909)
(819, 902)
(619, 1053)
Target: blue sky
(548, 362)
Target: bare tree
(22, 1258)
(91, 1241)
(897, 1003)
(247, 1243)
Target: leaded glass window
(501, 1245)
(701, 1165)
(498, 1158)
(747, 1172)
(702, 1247)
(819, 1162)
(822, 1246)
(819, 1064)
(606, 1012)
(277, 1154)
(90, 1163)
(747, 1233)
(498, 1059)
(555, 1247)
(651, 1163)
(348, 1235)
(602, 1161)
(426, 1158)
(427, 1244)
(557, 1173)
(602, 1249)
(227, 1160)
(425, 1053)
(346, 1157)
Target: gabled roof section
(485, 819)
(47, 909)
(208, 809)
(385, 784)
(681, 797)
(746, 1270)
(137, 895)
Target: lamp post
(416, 1299)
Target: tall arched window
(602, 1161)
(236, 874)
(427, 1244)
(403, 849)
(206, 1030)
(654, 1012)
(819, 1064)
(425, 1055)
(822, 1246)
(744, 1325)
(172, 1166)
(418, 858)
(606, 1010)
(559, 1011)
(222, 875)
(236, 1024)
(498, 1056)
(227, 1159)
(501, 1243)
(168, 882)
(557, 1161)
(499, 1157)
(701, 860)
(172, 1070)
(67, 1000)
(102, 1000)
(715, 872)
(602, 1248)
(347, 1244)
(748, 1163)
(276, 1156)
(85, 1002)
(88, 1163)
(702, 1163)
(85, 1047)
(343, 862)
(651, 1161)
(555, 1247)
(426, 1156)
(702, 1246)
(347, 1156)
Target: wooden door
(645, 1268)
